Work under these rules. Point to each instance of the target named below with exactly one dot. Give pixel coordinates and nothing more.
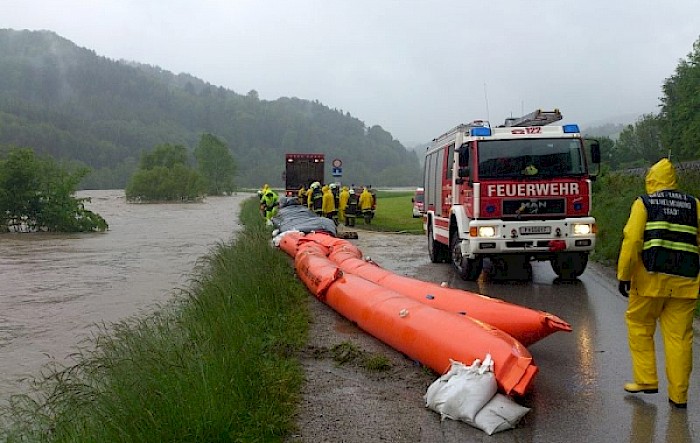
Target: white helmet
(315, 185)
(352, 191)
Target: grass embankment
(216, 366)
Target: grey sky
(417, 68)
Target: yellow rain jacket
(657, 297)
(343, 202)
(661, 176)
(366, 200)
(328, 206)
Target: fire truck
(510, 194)
(302, 169)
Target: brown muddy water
(55, 289)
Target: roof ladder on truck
(536, 118)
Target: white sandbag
(499, 414)
(463, 391)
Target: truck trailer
(302, 169)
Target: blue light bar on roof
(571, 129)
(480, 132)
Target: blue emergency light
(571, 129)
(480, 132)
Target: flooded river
(55, 288)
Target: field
(394, 213)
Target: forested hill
(75, 105)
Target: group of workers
(340, 204)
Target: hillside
(69, 102)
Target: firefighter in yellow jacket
(658, 269)
(343, 203)
(328, 203)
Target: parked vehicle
(514, 193)
(417, 201)
(302, 170)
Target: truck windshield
(531, 158)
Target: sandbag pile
(469, 394)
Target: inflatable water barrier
(526, 325)
(427, 322)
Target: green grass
(394, 213)
(218, 365)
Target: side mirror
(595, 151)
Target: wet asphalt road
(577, 395)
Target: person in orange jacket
(659, 270)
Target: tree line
(88, 110)
(672, 132)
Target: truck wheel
(467, 268)
(437, 251)
(569, 265)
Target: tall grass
(613, 195)
(215, 366)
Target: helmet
(315, 185)
(333, 186)
(352, 191)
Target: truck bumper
(540, 238)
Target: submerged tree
(164, 175)
(216, 165)
(36, 194)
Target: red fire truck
(512, 194)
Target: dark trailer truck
(302, 169)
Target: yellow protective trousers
(675, 316)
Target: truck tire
(438, 252)
(467, 268)
(569, 265)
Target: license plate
(529, 230)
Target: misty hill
(611, 127)
(69, 102)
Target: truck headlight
(582, 229)
(487, 231)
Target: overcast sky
(417, 68)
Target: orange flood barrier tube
(428, 335)
(289, 242)
(525, 324)
(315, 269)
